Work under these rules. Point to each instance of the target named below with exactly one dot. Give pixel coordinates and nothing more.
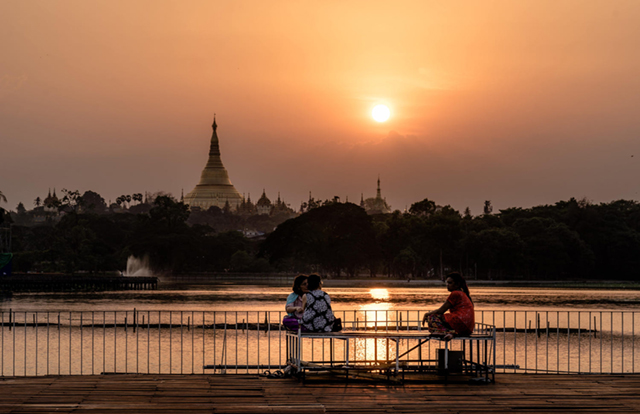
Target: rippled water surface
(247, 297)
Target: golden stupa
(214, 188)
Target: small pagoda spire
(214, 126)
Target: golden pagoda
(214, 188)
(376, 205)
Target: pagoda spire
(214, 149)
(214, 185)
(378, 193)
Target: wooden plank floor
(157, 394)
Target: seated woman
(317, 316)
(461, 318)
(294, 303)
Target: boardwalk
(128, 394)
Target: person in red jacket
(460, 319)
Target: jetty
(75, 283)
(141, 394)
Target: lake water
(183, 327)
(248, 297)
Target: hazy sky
(518, 102)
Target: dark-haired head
(459, 282)
(297, 282)
(314, 282)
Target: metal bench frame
(478, 352)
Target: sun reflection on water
(374, 316)
(377, 315)
(379, 294)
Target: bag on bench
(337, 325)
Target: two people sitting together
(309, 307)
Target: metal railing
(184, 342)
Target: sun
(380, 113)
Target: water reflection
(374, 314)
(379, 294)
(238, 297)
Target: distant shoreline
(578, 284)
(365, 282)
(386, 282)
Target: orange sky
(518, 102)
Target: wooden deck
(513, 393)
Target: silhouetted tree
(425, 207)
(92, 201)
(335, 238)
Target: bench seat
(475, 357)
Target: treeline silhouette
(570, 239)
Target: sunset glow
(380, 113)
(517, 103)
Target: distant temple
(214, 188)
(377, 205)
(51, 203)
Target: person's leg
(291, 323)
(437, 325)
